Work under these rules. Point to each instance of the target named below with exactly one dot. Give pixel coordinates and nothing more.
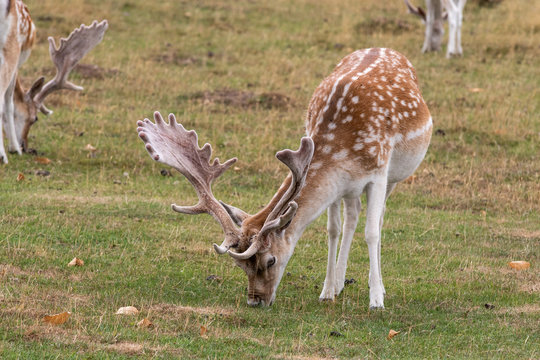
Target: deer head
(70, 51)
(257, 243)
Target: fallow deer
(20, 107)
(69, 52)
(368, 128)
(17, 36)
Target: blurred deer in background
(20, 108)
(434, 18)
(368, 128)
(69, 52)
(17, 36)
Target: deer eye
(271, 262)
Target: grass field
(241, 73)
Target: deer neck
(319, 191)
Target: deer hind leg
(8, 118)
(350, 213)
(334, 225)
(376, 194)
(389, 188)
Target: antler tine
(416, 10)
(298, 162)
(173, 145)
(69, 52)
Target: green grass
(448, 235)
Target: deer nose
(254, 301)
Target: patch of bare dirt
(87, 200)
(522, 309)
(531, 287)
(10, 270)
(50, 18)
(302, 357)
(91, 71)
(245, 99)
(127, 348)
(175, 58)
(486, 3)
(7, 269)
(179, 309)
(503, 49)
(525, 234)
(383, 24)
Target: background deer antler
(173, 145)
(67, 55)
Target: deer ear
(237, 215)
(36, 87)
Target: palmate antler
(173, 145)
(282, 214)
(65, 57)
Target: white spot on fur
(326, 149)
(347, 119)
(329, 136)
(355, 99)
(342, 154)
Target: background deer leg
(351, 209)
(375, 193)
(334, 229)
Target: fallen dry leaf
(127, 310)
(475, 90)
(20, 177)
(76, 262)
(145, 323)
(519, 265)
(410, 179)
(42, 160)
(392, 333)
(204, 329)
(57, 319)
(90, 148)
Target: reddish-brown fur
(392, 82)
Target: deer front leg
(334, 225)
(351, 210)
(8, 118)
(375, 193)
(3, 156)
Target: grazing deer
(368, 128)
(69, 52)
(434, 19)
(17, 36)
(20, 108)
